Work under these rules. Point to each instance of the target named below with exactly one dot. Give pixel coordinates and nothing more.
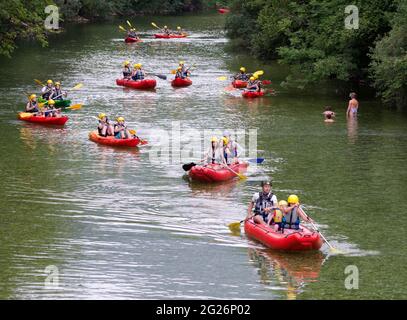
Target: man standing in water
(353, 106)
(263, 203)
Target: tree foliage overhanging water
(311, 37)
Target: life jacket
(278, 216)
(263, 201)
(179, 74)
(57, 95)
(251, 85)
(35, 105)
(139, 75)
(126, 72)
(47, 92)
(292, 220)
(213, 158)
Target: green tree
(389, 61)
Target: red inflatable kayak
(178, 82)
(223, 10)
(215, 172)
(140, 84)
(130, 40)
(112, 141)
(252, 94)
(169, 36)
(303, 239)
(239, 84)
(59, 121)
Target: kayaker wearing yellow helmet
(132, 33)
(49, 109)
(32, 104)
(138, 73)
(263, 203)
(57, 93)
(233, 146)
(213, 154)
(166, 30)
(293, 213)
(242, 75)
(120, 129)
(253, 84)
(104, 127)
(127, 70)
(47, 90)
(179, 31)
(179, 73)
(225, 148)
(278, 216)
(184, 70)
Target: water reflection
(289, 271)
(352, 126)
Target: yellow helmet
(132, 29)
(120, 119)
(252, 78)
(179, 68)
(33, 96)
(225, 140)
(214, 139)
(126, 63)
(49, 82)
(179, 28)
(282, 203)
(165, 27)
(181, 62)
(57, 83)
(137, 65)
(293, 199)
(101, 115)
(51, 102)
(243, 69)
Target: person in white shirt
(263, 204)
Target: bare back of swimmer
(353, 106)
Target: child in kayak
(166, 31)
(120, 129)
(49, 109)
(47, 90)
(58, 94)
(32, 104)
(138, 73)
(179, 31)
(353, 105)
(127, 70)
(225, 148)
(278, 215)
(329, 114)
(233, 146)
(293, 213)
(179, 73)
(252, 84)
(242, 75)
(132, 33)
(184, 69)
(213, 155)
(104, 127)
(263, 203)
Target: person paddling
(225, 148)
(104, 127)
(353, 105)
(138, 73)
(49, 109)
(184, 69)
(32, 104)
(252, 84)
(47, 90)
(179, 31)
(233, 146)
(166, 30)
(179, 74)
(263, 203)
(57, 93)
(293, 213)
(213, 155)
(242, 75)
(132, 34)
(127, 70)
(120, 129)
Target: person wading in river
(263, 203)
(353, 106)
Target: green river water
(117, 224)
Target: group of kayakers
(252, 79)
(168, 31)
(119, 129)
(223, 151)
(50, 94)
(265, 209)
(136, 73)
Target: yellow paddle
(25, 115)
(122, 29)
(128, 22)
(75, 107)
(39, 82)
(154, 25)
(222, 78)
(241, 176)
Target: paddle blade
(241, 176)
(122, 29)
(128, 22)
(41, 104)
(188, 166)
(257, 160)
(222, 78)
(154, 25)
(173, 71)
(39, 82)
(75, 107)
(25, 115)
(234, 226)
(78, 86)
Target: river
(121, 224)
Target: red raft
(178, 82)
(223, 10)
(131, 40)
(140, 84)
(299, 240)
(112, 141)
(57, 121)
(215, 172)
(239, 84)
(169, 36)
(252, 94)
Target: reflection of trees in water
(212, 189)
(49, 136)
(289, 270)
